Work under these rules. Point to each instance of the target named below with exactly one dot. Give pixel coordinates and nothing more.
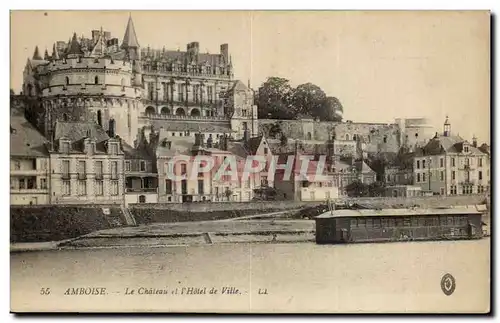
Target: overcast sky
(381, 65)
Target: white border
(493, 5)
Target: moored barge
(412, 224)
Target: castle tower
(74, 49)
(46, 55)
(446, 128)
(130, 43)
(55, 54)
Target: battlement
(71, 64)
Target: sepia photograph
(257, 162)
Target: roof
(25, 140)
(362, 167)
(237, 148)
(168, 125)
(74, 47)
(36, 55)
(135, 153)
(254, 144)
(75, 131)
(179, 146)
(130, 38)
(449, 144)
(468, 209)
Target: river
(302, 277)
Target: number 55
(45, 291)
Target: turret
(46, 55)
(446, 128)
(74, 49)
(130, 43)
(55, 54)
(36, 55)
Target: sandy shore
(186, 233)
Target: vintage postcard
(250, 161)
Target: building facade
(86, 165)
(29, 164)
(450, 165)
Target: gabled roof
(362, 167)
(75, 131)
(253, 144)
(130, 38)
(25, 140)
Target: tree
(331, 108)
(376, 189)
(309, 99)
(273, 99)
(357, 189)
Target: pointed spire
(74, 47)
(55, 54)
(130, 38)
(36, 54)
(46, 55)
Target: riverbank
(186, 233)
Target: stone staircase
(128, 216)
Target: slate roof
(75, 131)
(130, 38)
(74, 47)
(135, 153)
(253, 144)
(25, 140)
(449, 144)
(191, 126)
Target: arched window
(309, 136)
(111, 128)
(96, 80)
(65, 117)
(150, 111)
(385, 139)
(346, 136)
(99, 118)
(180, 112)
(165, 111)
(354, 137)
(67, 80)
(195, 113)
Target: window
(114, 188)
(347, 137)
(98, 169)
(453, 175)
(480, 175)
(81, 167)
(66, 188)
(143, 166)
(65, 169)
(22, 184)
(418, 164)
(180, 91)
(82, 187)
(453, 190)
(17, 165)
(441, 162)
(183, 169)
(423, 164)
(480, 188)
(114, 170)
(200, 187)
(99, 187)
(33, 164)
(65, 147)
(66, 80)
(466, 149)
(43, 183)
(113, 149)
(265, 151)
(453, 162)
(467, 161)
(210, 94)
(418, 177)
(441, 175)
(385, 139)
(423, 177)
(168, 186)
(96, 80)
(480, 162)
(127, 166)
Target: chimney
(210, 141)
(224, 51)
(89, 133)
(474, 141)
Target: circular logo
(448, 284)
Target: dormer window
(64, 148)
(466, 148)
(113, 149)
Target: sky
(381, 65)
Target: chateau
(125, 87)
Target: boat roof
(464, 209)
